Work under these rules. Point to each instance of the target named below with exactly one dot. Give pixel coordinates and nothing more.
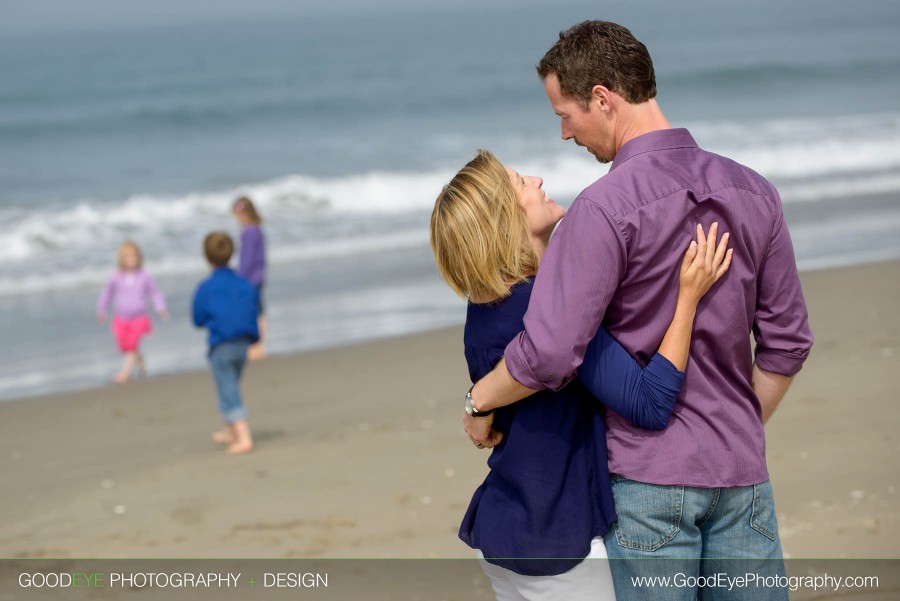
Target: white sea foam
(847, 241)
(847, 187)
(62, 245)
(786, 149)
(38, 281)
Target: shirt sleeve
(156, 296)
(198, 308)
(252, 261)
(781, 322)
(244, 255)
(645, 397)
(255, 321)
(105, 295)
(578, 275)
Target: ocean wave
(141, 111)
(803, 148)
(285, 203)
(59, 245)
(54, 278)
(833, 241)
(775, 73)
(823, 189)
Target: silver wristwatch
(470, 406)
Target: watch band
(470, 406)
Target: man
(699, 488)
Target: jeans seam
(712, 507)
(226, 361)
(754, 522)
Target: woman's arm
(646, 397)
(703, 264)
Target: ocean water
(343, 129)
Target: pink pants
(128, 332)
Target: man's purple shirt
(614, 260)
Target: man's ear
(601, 97)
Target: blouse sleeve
(646, 397)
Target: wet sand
(360, 451)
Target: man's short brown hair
(604, 53)
(218, 247)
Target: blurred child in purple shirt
(131, 290)
(252, 262)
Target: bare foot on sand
(242, 441)
(127, 367)
(239, 448)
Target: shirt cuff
(785, 364)
(517, 365)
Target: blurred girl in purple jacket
(131, 290)
(252, 262)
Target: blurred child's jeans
(227, 361)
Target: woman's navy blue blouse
(548, 492)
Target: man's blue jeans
(227, 361)
(698, 538)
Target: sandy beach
(360, 451)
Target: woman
(547, 501)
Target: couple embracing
(615, 378)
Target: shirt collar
(661, 139)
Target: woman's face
(541, 213)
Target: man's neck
(640, 119)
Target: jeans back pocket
(649, 514)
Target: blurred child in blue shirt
(227, 305)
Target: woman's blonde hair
(479, 234)
(246, 207)
(132, 246)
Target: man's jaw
(600, 159)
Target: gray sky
(25, 16)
